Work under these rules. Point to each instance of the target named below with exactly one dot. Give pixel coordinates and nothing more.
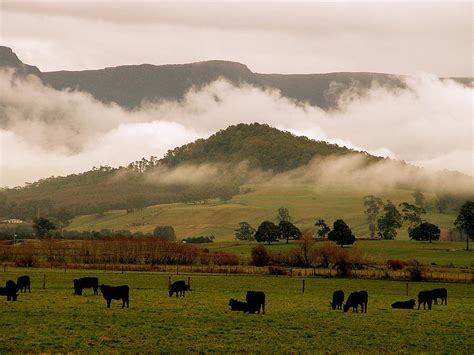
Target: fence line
(401, 275)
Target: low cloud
(46, 132)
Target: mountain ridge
(131, 85)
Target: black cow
(9, 290)
(256, 300)
(440, 293)
(355, 299)
(23, 283)
(179, 287)
(425, 297)
(404, 304)
(337, 299)
(239, 306)
(115, 293)
(86, 282)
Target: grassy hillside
(305, 203)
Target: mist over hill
(131, 85)
(207, 168)
(216, 167)
(397, 117)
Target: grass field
(54, 320)
(441, 253)
(305, 203)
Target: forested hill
(106, 188)
(264, 147)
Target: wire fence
(434, 275)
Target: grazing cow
(256, 300)
(9, 290)
(425, 297)
(355, 299)
(440, 293)
(115, 293)
(23, 283)
(179, 287)
(337, 299)
(404, 304)
(86, 282)
(239, 306)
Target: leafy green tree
(389, 222)
(425, 231)
(244, 232)
(323, 228)
(341, 233)
(412, 214)
(283, 215)
(43, 226)
(165, 233)
(373, 205)
(288, 230)
(419, 198)
(465, 221)
(267, 232)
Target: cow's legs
(108, 303)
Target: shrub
(395, 264)
(226, 259)
(26, 261)
(260, 256)
(417, 271)
(275, 270)
(325, 254)
(199, 240)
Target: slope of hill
(139, 184)
(8, 59)
(258, 202)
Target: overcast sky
(384, 36)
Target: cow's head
(77, 287)
(333, 305)
(232, 303)
(346, 307)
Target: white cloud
(46, 132)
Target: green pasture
(306, 204)
(439, 253)
(54, 320)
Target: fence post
(5, 267)
(303, 287)
(407, 288)
(169, 282)
(44, 281)
(177, 269)
(122, 269)
(65, 267)
(189, 281)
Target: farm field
(306, 204)
(54, 320)
(441, 253)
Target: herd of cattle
(254, 301)
(361, 298)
